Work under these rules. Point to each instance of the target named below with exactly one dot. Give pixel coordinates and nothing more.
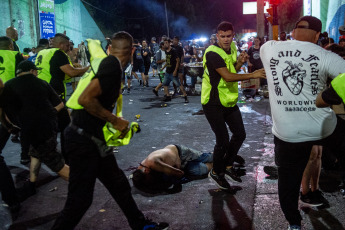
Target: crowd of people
(296, 72)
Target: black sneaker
(318, 196)
(24, 159)
(239, 160)
(140, 82)
(220, 181)
(186, 99)
(310, 199)
(155, 92)
(167, 98)
(231, 174)
(155, 226)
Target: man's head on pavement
(149, 180)
(6, 43)
(61, 42)
(12, 33)
(121, 46)
(225, 34)
(308, 29)
(27, 67)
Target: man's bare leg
(312, 171)
(35, 166)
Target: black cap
(26, 66)
(313, 23)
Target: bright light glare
(202, 39)
(251, 7)
(248, 35)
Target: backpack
(137, 53)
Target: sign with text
(47, 18)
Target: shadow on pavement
(34, 222)
(323, 219)
(220, 202)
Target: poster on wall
(47, 18)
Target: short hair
(283, 32)
(225, 26)
(156, 182)
(177, 37)
(144, 40)
(123, 35)
(161, 44)
(5, 42)
(167, 39)
(326, 41)
(60, 35)
(43, 42)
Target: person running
(86, 163)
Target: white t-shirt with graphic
(296, 73)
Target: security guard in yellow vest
(219, 96)
(56, 68)
(9, 59)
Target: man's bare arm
(73, 72)
(232, 77)
(169, 170)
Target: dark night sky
(146, 18)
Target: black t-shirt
(331, 97)
(147, 58)
(58, 76)
(254, 58)
(179, 51)
(213, 62)
(109, 76)
(31, 101)
(171, 57)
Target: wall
(70, 16)
(330, 12)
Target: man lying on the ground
(171, 165)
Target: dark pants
(225, 150)
(291, 159)
(63, 121)
(86, 166)
(7, 189)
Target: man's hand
(122, 125)
(260, 73)
(243, 57)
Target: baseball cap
(342, 28)
(313, 23)
(26, 66)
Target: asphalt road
(199, 204)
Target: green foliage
(288, 13)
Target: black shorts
(47, 154)
(138, 66)
(147, 68)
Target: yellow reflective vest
(111, 135)
(338, 85)
(7, 65)
(228, 91)
(43, 61)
